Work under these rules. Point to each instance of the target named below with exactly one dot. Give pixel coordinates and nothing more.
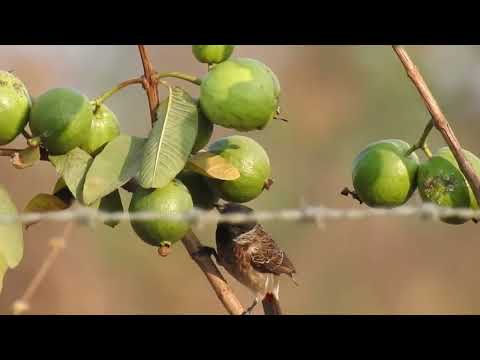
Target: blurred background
(337, 100)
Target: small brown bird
(251, 256)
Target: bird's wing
(267, 257)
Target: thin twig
(99, 100)
(9, 152)
(191, 242)
(57, 244)
(439, 120)
(422, 142)
(190, 78)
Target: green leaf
(171, 140)
(11, 236)
(111, 203)
(213, 166)
(73, 167)
(44, 203)
(26, 157)
(118, 162)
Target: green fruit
(105, 128)
(240, 94)
(205, 131)
(383, 176)
(441, 182)
(252, 162)
(171, 200)
(62, 118)
(203, 193)
(15, 106)
(212, 54)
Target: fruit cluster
(174, 169)
(386, 174)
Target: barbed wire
(316, 214)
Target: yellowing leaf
(44, 203)
(212, 165)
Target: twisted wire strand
(199, 216)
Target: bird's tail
(271, 305)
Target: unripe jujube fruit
(441, 182)
(62, 119)
(383, 176)
(252, 162)
(240, 94)
(104, 128)
(171, 200)
(212, 54)
(15, 106)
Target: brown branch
(150, 83)
(190, 241)
(439, 120)
(218, 282)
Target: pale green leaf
(73, 167)
(171, 140)
(213, 166)
(11, 234)
(118, 162)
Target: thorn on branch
(347, 192)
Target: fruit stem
(427, 151)
(422, 142)
(190, 78)
(99, 100)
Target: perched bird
(251, 256)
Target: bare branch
(439, 120)
(150, 84)
(218, 282)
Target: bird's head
(235, 229)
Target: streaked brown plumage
(251, 256)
